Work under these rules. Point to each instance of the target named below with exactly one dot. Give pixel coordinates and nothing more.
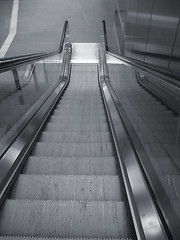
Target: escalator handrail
(13, 158)
(10, 63)
(170, 220)
(8, 59)
(146, 67)
(105, 35)
(65, 32)
(143, 66)
(140, 200)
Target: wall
(151, 31)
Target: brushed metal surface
(165, 17)
(130, 25)
(174, 61)
(152, 32)
(142, 28)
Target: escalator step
(76, 119)
(84, 109)
(83, 137)
(83, 105)
(64, 219)
(80, 103)
(85, 98)
(54, 187)
(75, 127)
(73, 149)
(58, 112)
(71, 166)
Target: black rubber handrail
(147, 67)
(63, 36)
(13, 62)
(3, 60)
(143, 66)
(105, 35)
(10, 65)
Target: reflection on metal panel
(142, 29)
(152, 32)
(119, 32)
(130, 27)
(174, 63)
(159, 42)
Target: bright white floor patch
(12, 29)
(84, 53)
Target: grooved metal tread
(77, 119)
(72, 137)
(76, 127)
(80, 105)
(71, 165)
(61, 123)
(55, 187)
(64, 219)
(84, 109)
(78, 113)
(73, 149)
(86, 98)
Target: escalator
(70, 186)
(78, 176)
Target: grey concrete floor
(5, 15)
(40, 23)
